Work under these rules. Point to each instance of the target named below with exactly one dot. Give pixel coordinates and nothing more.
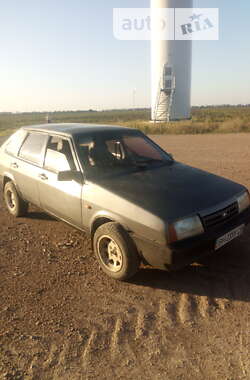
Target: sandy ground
(62, 318)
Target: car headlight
(243, 201)
(185, 228)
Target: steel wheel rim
(110, 253)
(10, 198)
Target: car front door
(61, 198)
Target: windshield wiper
(146, 161)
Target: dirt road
(62, 318)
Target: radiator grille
(220, 217)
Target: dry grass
(226, 119)
(179, 127)
(234, 125)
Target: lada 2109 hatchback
(137, 203)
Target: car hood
(172, 191)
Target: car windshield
(108, 152)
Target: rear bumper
(182, 253)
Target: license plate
(223, 240)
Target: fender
(101, 214)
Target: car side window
(33, 148)
(59, 155)
(13, 145)
(56, 161)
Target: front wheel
(15, 204)
(116, 251)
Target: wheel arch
(98, 222)
(103, 218)
(7, 177)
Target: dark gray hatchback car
(137, 203)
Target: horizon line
(119, 109)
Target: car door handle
(14, 165)
(43, 177)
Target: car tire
(116, 251)
(14, 203)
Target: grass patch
(223, 119)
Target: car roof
(73, 129)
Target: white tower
(171, 69)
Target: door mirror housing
(171, 156)
(69, 175)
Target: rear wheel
(116, 251)
(15, 204)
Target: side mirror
(69, 175)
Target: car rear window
(13, 144)
(33, 148)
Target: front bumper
(185, 252)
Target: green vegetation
(222, 119)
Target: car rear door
(27, 166)
(8, 154)
(60, 198)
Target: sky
(62, 55)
